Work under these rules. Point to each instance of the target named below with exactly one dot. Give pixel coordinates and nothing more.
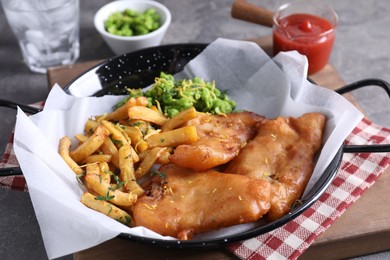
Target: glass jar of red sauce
(307, 27)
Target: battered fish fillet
(282, 152)
(179, 202)
(220, 138)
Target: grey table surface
(362, 50)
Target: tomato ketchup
(310, 35)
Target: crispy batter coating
(282, 152)
(179, 202)
(220, 139)
(266, 178)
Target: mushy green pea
(172, 96)
(132, 23)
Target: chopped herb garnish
(107, 197)
(137, 124)
(128, 220)
(117, 180)
(155, 173)
(109, 172)
(144, 131)
(119, 142)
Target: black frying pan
(140, 69)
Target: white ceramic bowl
(124, 44)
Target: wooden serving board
(363, 229)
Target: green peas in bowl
(130, 25)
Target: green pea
(132, 23)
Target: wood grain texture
(63, 75)
(363, 229)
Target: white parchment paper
(270, 87)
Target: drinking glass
(47, 31)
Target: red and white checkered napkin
(9, 160)
(357, 173)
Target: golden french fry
(91, 145)
(150, 157)
(90, 126)
(133, 132)
(136, 136)
(64, 147)
(134, 155)
(81, 138)
(133, 152)
(142, 155)
(151, 131)
(120, 129)
(116, 135)
(155, 108)
(141, 101)
(108, 147)
(98, 158)
(143, 126)
(121, 113)
(163, 158)
(105, 172)
(146, 114)
(179, 119)
(106, 208)
(94, 181)
(127, 170)
(91, 169)
(141, 146)
(173, 138)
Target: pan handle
(379, 148)
(252, 13)
(10, 171)
(364, 83)
(14, 105)
(28, 109)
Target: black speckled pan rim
(139, 68)
(172, 59)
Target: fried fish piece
(282, 152)
(220, 138)
(179, 202)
